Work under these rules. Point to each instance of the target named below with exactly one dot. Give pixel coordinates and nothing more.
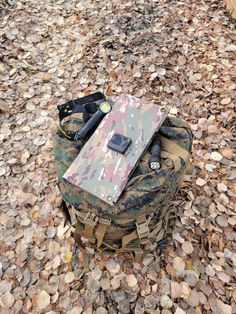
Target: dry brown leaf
(216, 156)
(200, 181)
(131, 280)
(178, 263)
(4, 106)
(187, 247)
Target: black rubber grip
(92, 122)
(155, 154)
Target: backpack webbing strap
(103, 224)
(143, 229)
(138, 253)
(90, 222)
(142, 232)
(126, 239)
(174, 149)
(85, 258)
(175, 159)
(119, 221)
(86, 225)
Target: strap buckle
(68, 106)
(143, 232)
(104, 221)
(91, 219)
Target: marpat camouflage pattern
(103, 172)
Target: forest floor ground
(180, 54)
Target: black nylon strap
(86, 105)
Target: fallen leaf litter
(179, 54)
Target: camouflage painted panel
(104, 172)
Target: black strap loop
(86, 105)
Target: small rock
(166, 302)
(187, 247)
(53, 284)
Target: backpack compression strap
(86, 105)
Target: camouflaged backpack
(140, 218)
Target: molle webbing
(94, 231)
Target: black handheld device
(119, 143)
(155, 155)
(104, 108)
